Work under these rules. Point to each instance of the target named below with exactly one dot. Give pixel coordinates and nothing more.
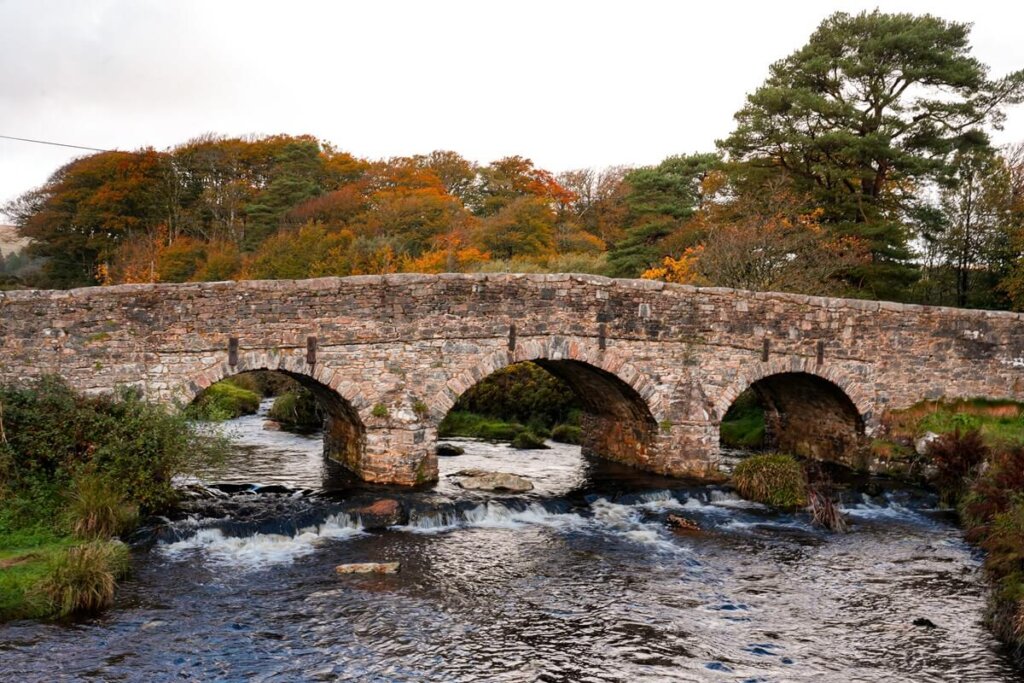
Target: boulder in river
(482, 480)
(381, 514)
(449, 449)
(272, 426)
(369, 568)
(921, 444)
(682, 524)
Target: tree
(524, 227)
(866, 116)
(660, 199)
(762, 238)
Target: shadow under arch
(809, 416)
(344, 433)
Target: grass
(999, 422)
(461, 423)
(297, 410)
(775, 479)
(743, 424)
(527, 440)
(29, 543)
(82, 579)
(97, 510)
(564, 433)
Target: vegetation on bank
(75, 472)
(522, 404)
(224, 400)
(743, 424)
(297, 410)
(775, 479)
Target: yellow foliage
(681, 271)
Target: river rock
(381, 514)
(482, 480)
(921, 444)
(682, 524)
(272, 426)
(449, 449)
(369, 568)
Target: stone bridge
(655, 365)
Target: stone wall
(661, 363)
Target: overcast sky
(568, 84)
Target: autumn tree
(865, 117)
(762, 238)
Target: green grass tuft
(82, 579)
(224, 401)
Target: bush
(956, 457)
(527, 440)
(98, 510)
(54, 433)
(224, 401)
(298, 410)
(460, 423)
(994, 491)
(564, 433)
(82, 580)
(774, 479)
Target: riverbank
(76, 472)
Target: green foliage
(224, 400)
(564, 433)
(462, 423)
(297, 410)
(527, 440)
(520, 393)
(743, 424)
(380, 410)
(660, 200)
(82, 579)
(775, 479)
(53, 434)
(868, 111)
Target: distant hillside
(10, 240)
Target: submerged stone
(682, 524)
(369, 568)
(449, 449)
(482, 480)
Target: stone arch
(809, 411)
(854, 386)
(621, 404)
(551, 349)
(344, 428)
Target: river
(578, 580)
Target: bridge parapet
(386, 346)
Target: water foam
(260, 550)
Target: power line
(55, 144)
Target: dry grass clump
(97, 510)
(774, 479)
(83, 579)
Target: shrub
(380, 410)
(460, 423)
(956, 456)
(564, 433)
(527, 440)
(774, 479)
(98, 510)
(224, 401)
(82, 580)
(298, 410)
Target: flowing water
(578, 580)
